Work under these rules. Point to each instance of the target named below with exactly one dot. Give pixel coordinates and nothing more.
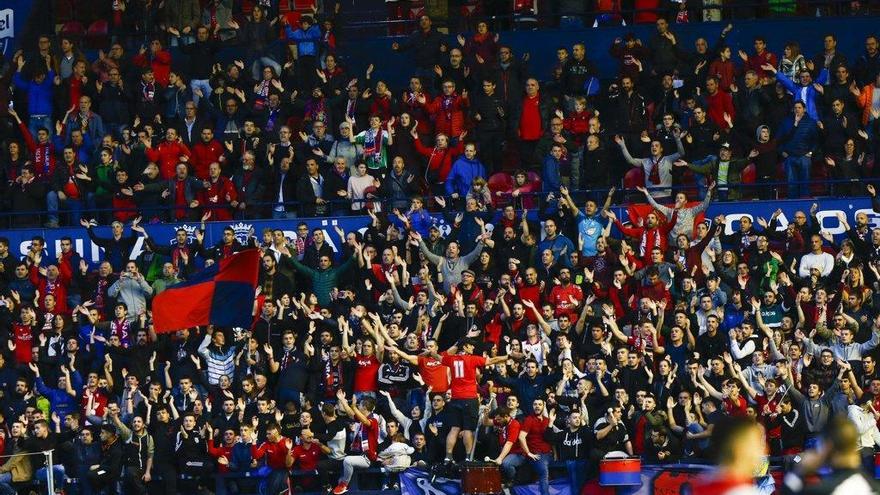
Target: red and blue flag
(221, 295)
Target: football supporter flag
(222, 295)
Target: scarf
(332, 378)
(373, 143)
(100, 291)
(447, 105)
(262, 95)
(654, 176)
(315, 110)
(120, 329)
(176, 256)
(148, 91)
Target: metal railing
(539, 201)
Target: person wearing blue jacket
(64, 399)
(39, 95)
(799, 136)
(804, 90)
(306, 38)
(464, 171)
(551, 172)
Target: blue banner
(417, 482)
(164, 233)
(15, 16)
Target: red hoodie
(275, 452)
(439, 161)
(160, 63)
(204, 154)
(44, 154)
(58, 288)
(448, 114)
(220, 451)
(167, 156)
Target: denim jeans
(37, 121)
(57, 475)
(74, 206)
(700, 179)
(797, 169)
(283, 215)
(512, 462)
(52, 202)
(6, 484)
(202, 84)
(577, 474)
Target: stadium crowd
(415, 344)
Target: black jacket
(492, 111)
(425, 47)
(307, 198)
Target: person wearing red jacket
(169, 153)
(206, 152)
(447, 110)
(158, 59)
(305, 457)
(219, 196)
(223, 450)
(42, 150)
(68, 263)
(757, 61)
(364, 447)
(440, 157)
(719, 103)
(566, 297)
(650, 236)
(275, 449)
(49, 281)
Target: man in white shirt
(816, 258)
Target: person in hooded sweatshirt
(464, 171)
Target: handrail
(337, 205)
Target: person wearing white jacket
(816, 258)
(395, 459)
(865, 418)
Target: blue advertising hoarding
(164, 233)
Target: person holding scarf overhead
(375, 141)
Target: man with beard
(566, 297)
(652, 235)
(535, 449)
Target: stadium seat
(747, 178)
(499, 182)
(73, 29)
(536, 179)
(96, 36)
(634, 178)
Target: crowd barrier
(164, 233)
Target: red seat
(535, 179)
(634, 178)
(748, 176)
(500, 182)
(96, 36)
(73, 29)
(303, 5)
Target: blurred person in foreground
(839, 450)
(733, 442)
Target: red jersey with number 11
(464, 374)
